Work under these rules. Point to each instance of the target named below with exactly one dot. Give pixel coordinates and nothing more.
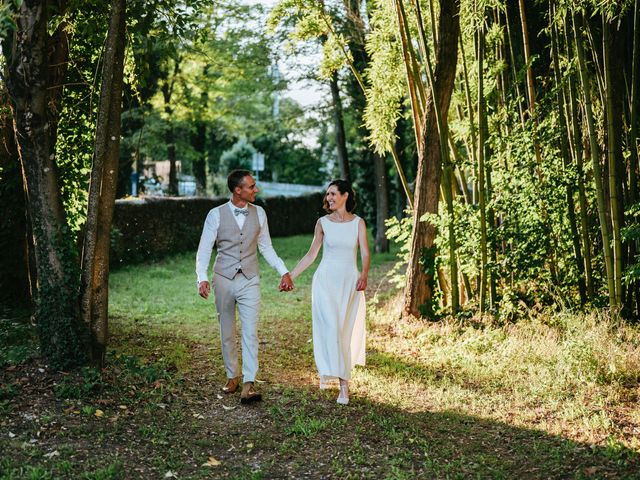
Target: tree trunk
(170, 136)
(338, 125)
(418, 291)
(104, 176)
(200, 163)
(443, 137)
(382, 203)
(34, 101)
(170, 140)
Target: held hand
(361, 284)
(204, 288)
(286, 284)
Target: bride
(337, 292)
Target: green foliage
(7, 11)
(113, 471)
(238, 156)
(87, 383)
(630, 234)
(134, 368)
(77, 116)
(305, 426)
(287, 157)
(386, 78)
(8, 392)
(399, 231)
(211, 90)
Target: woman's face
(335, 199)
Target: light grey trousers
(244, 294)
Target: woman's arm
(364, 256)
(311, 255)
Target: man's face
(247, 190)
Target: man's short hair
(235, 178)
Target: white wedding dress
(338, 310)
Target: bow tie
(240, 211)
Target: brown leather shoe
(231, 385)
(249, 394)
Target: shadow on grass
(453, 445)
(188, 429)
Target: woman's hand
(361, 284)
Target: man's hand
(204, 288)
(286, 284)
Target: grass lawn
(551, 396)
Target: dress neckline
(340, 223)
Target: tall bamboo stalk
(434, 29)
(596, 61)
(482, 118)
(530, 83)
(413, 77)
(615, 190)
(576, 144)
(501, 83)
(595, 160)
(633, 130)
(565, 155)
(633, 136)
(514, 72)
(471, 117)
(582, 195)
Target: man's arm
(205, 247)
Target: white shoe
(343, 398)
(324, 383)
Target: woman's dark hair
(343, 187)
(235, 178)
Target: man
(238, 228)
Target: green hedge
(150, 228)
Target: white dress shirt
(210, 234)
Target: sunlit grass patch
(560, 372)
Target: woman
(337, 293)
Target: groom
(239, 229)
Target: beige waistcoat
(237, 249)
